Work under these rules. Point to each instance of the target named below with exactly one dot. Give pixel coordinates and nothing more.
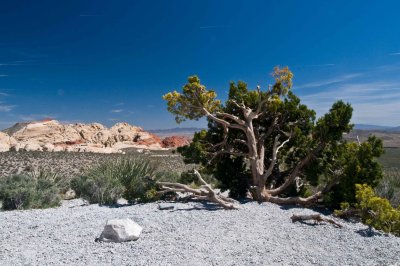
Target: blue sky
(110, 61)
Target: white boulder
(120, 230)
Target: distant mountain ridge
(376, 127)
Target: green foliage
(106, 183)
(233, 176)
(357, 165)
(35, 191)
(190, 103)
(375, 211)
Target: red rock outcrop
(175, 141)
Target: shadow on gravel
(368, 232)
(203, 206)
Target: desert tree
(265, 142)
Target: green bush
(374, 211)
(105, 183)
(377, 211)
(357, 165)
(35, 191)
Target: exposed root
(205, 192)
(315, 217)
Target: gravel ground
(191, 234)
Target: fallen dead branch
(317, 218)
(205, 192)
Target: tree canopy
(268, 144)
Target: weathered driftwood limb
(205, 192)
(315, 217)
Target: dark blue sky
(109, 61)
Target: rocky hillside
(50, 135)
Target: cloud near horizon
(375, 102)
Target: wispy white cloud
(395, 53)
(9, 64)
(6, 107)
(117, 111)
(3, 75)
(119, 104)
(331, 81)
(375, 102)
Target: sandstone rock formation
(50, 135)
(175, 141)
(120, 230)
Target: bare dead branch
(205, 192)
(296, 200)
(317, 218)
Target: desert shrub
(101, 184)
(374, 211)
(389, 186)
(137, 176)
(35, 191)
(105, 183)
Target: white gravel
(257, 234)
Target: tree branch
(232, 117)
(205, 192)
(300, 165)
(275, 151)
(222, 121)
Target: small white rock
(120, 230)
